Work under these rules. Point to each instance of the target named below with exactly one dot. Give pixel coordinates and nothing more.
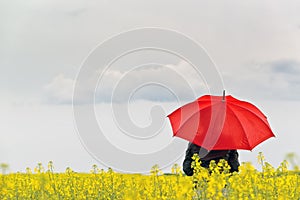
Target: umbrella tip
(223, 95)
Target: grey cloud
(160, 83)
(288, 71)
(285, 66)
(276, 80)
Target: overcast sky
(255, 45)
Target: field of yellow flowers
(213, 183)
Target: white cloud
(277, 80)
(154, 83)
(59, 90)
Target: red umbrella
(221, 122)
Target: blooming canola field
(213, 183)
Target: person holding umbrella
(216, 126)
(231, 156)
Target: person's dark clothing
(231, 156)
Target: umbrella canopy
(221, 122)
